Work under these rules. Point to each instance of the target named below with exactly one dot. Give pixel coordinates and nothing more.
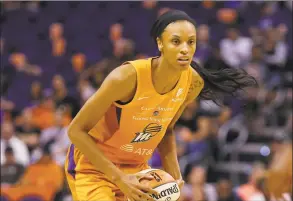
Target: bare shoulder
(196, 85)
(120, 83)
(124, 74)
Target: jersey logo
(141, 98)
(127, 147)
(148, 132)
(179, 92)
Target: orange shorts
(96, 186)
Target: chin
(183, 67)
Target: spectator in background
(246, 191)
(62, 98)
(6, 104)
(59, 47)
(256, 35)
(57, 136)
(42, 114)
(11, 5)
(215, 61)
(58, 42)
(33, 6)
(267, 12)
(123, 51)
(11, 171)
(56, 31)
(196, 188)
(45, 173)
(26, 130)
(256, 66)
(36, 92)
(224, 191)
(193, 129)
(78, 62)
(235, 49)
(8, 139)
(116, 32)
(203, 49)
(276, 50)
(86, 90)
(21, 64)
(149, 4)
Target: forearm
(88, 147)
(168, 153)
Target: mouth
(183, 61)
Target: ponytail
(223, 82)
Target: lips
(183, 60)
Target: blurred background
(54, 56)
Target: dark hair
(9, 150)
(217, 83)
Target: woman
(134, 111)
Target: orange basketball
(163, 182)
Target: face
(7, 130)
(56, 31)
(78, 61)
(203, 33)
(233, 34)
(36, 87)
(224, 188)
(58, 82)
(116, 32)
(18, 60)
(178, 44)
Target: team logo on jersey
(148, 132)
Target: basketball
(163, 183)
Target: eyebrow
(176, 36)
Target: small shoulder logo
(179, 92)
(148, 132)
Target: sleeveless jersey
(129, 134)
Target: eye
(191, 42)
(175, 41)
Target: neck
(164, 76)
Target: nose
(184, 49)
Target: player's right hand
(130, 186)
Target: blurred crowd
(45, 83)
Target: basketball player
(134, 111)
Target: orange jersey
(129, 134)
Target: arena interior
(55, 55)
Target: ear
(160, 44)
